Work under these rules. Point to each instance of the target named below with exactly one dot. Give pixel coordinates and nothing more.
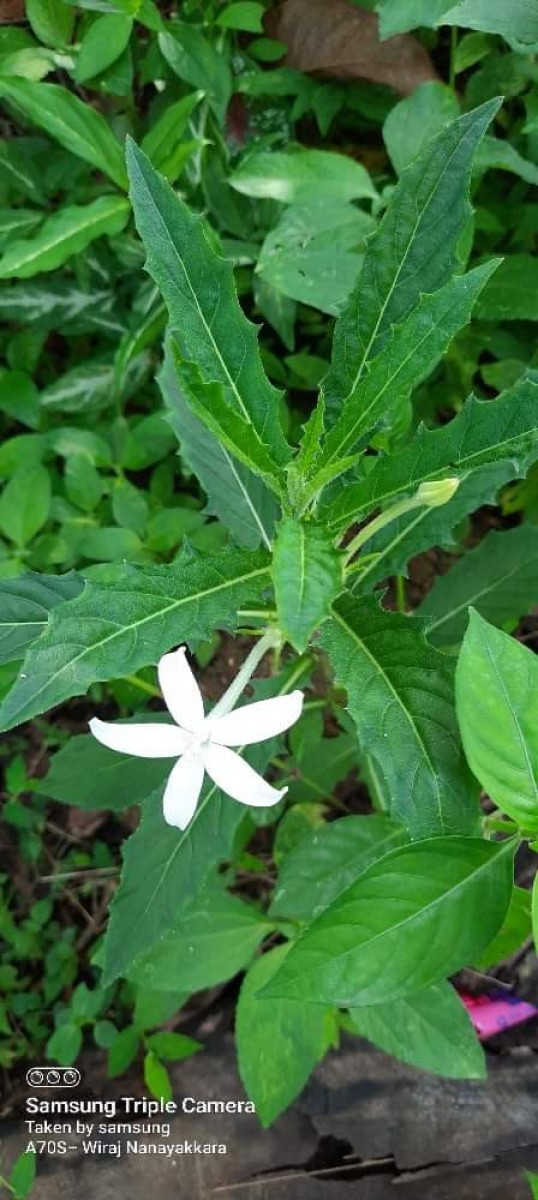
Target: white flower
(201, 743)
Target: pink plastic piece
(492, 1014)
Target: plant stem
(270, 639)
(399, 582)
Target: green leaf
(489, 441)
(51, 20)
(414, 250)
(88, 775)
(192, 57)
(533, 1183)
(411, 352)
(401, 697)
(22, 1174)
(25, 504)
(25, 604)
(398, 16)
(123, 1051)
(72, 122)
(173, 1046)
(64, 1045)
(245, 15)
(308, 574)
(163, 142)
(130, 620)
(65, 233)
(17, 220)
(18, 172)
(313, 253)
(328, 860)
(518, 23)
(502, 155)
(212, 939)
(535, 911)
(516, 927)
(431, 1030)
(237, 496)
(416, 119)
(499, 578)
(411, 919)
(206, 321)
(512, 294)
(278, 1042)
(301, 176)
(156, 1077)
(497, 704)
(101, 45)
(20, 398)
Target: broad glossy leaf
(237, 496)
(413, 251)
(328, 860)
(20, 398)
(130, 620)
(279, 1042)
(86, 774)
(313, 253)
(517, 23)
(308, 574)
(483, 435)
(499, 578)
(101, 45)
(70, 121)
(398, 16)
(191, 56)
(431, 1030)
(212, 939)
(401, 697)
(411, 352)
(416, 119)
(512, 294)
(301, 176)
(497, 703)
(243, 15)
(63, 234)
(51, 20)
(25, 604)
(516, 927)
(413, 918)
(206, 321)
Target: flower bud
(438, 492)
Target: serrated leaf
(212, 939)
(414, 250)
(65, 233)
(431, 1030)
(488, 441)
(411, 919)
(410, 353)
(497, 704)
(25, 604)
(127, 622)
(279, 1042)
(307, 574)
(237, 496)
(72, 122)
(499, 578)
(206, 321)
(328, 860)
(401, 697)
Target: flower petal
(256, 722)
(182, 695)
(237, 778)
(183, 790)
(140, 740)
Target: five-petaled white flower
(201, 743)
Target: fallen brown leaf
(11, 11)
(337, 40)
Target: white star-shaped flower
(201, 743)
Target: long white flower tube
(202, 744)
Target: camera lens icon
(60, 1077)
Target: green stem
(270, 639)
(400, 593)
